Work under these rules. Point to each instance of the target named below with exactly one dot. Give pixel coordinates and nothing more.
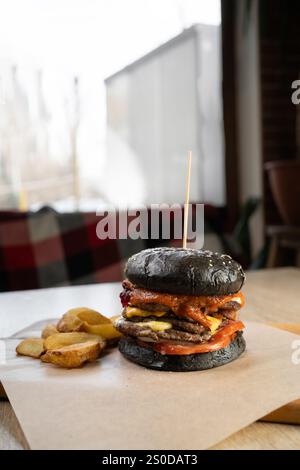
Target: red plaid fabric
(46, 249)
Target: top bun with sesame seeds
(185, 271)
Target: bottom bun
(147, 357)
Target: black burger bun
(185, 271)
(147, 357)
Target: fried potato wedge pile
(90, 321)
(79, 337)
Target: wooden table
(271, 296)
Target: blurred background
(100, 101)
(95, 88)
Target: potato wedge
(69, 323)
(92, 317)
(107, 331)
(49, 330)
(60, 340)
(33, 347)
(73, 319)
(74, 355)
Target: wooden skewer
(187, 198)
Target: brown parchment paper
(113, 404)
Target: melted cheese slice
(214, 323)
(156, 325)
(138, 312)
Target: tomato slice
(219, 340)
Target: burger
(180, 309)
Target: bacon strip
(195, 314)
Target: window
(55, 145)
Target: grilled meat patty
(189, 326)
(152, 307)
(139, 330)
